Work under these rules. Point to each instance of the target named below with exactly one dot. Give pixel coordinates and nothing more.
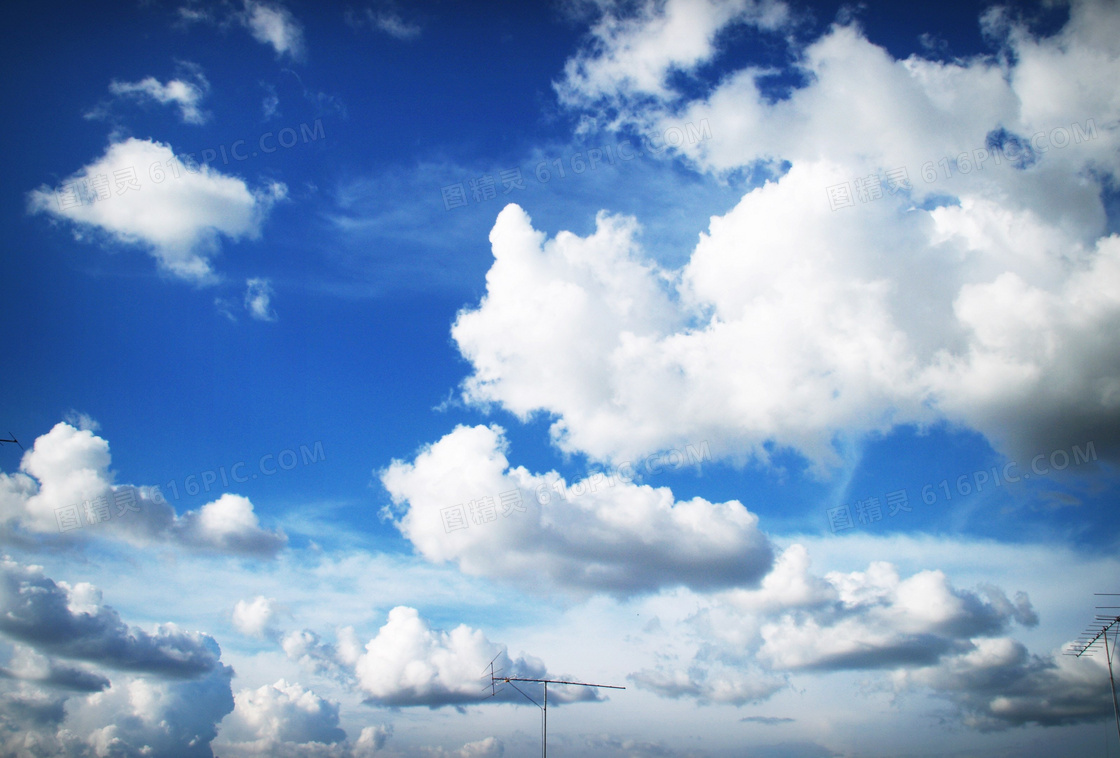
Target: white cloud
(491, 747)
(279, 718)
(878, 620)
(372, 739)
(138, 193)
(169, 702)
(67, 468)
(272, 24)
(794, 326)
(621, 538)
(408, 664)
(631, 56)
(187, 95)
(386, 18)
(750, 641)
(735, 685)
(258, 299)
(256, 618)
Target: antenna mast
(495, 678)
(1095, 632)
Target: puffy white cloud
(307, 648)
(615, 537)
(272, 24)
(794, 325)
(258, 299)
(372, 739)
(139, 193)
(255, 617)
(68, 468)
(280, 718)
(409, 663)
(228, 525)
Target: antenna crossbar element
(1085, 643)
(13, 439)
(561, 681)
(544, 708)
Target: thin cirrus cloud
(385, 17)
(69, 467)
(269, 23)
(139, 193)
(632, 538)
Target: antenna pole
(1111, 681)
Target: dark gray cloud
(37, 611)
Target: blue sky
(765, 346)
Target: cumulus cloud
(408, 664)
(307, 648)
(64, 486)
(258, 299)
(905, 263)
(167, 690)
(139, 193)
(27, 665)
(71, 622)
(281, 719)
(997, 684)
(614, 537)
(879, 620)
(750, 641)
(256, 617)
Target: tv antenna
(1097, 631)
(13, 439)
(495, 678)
